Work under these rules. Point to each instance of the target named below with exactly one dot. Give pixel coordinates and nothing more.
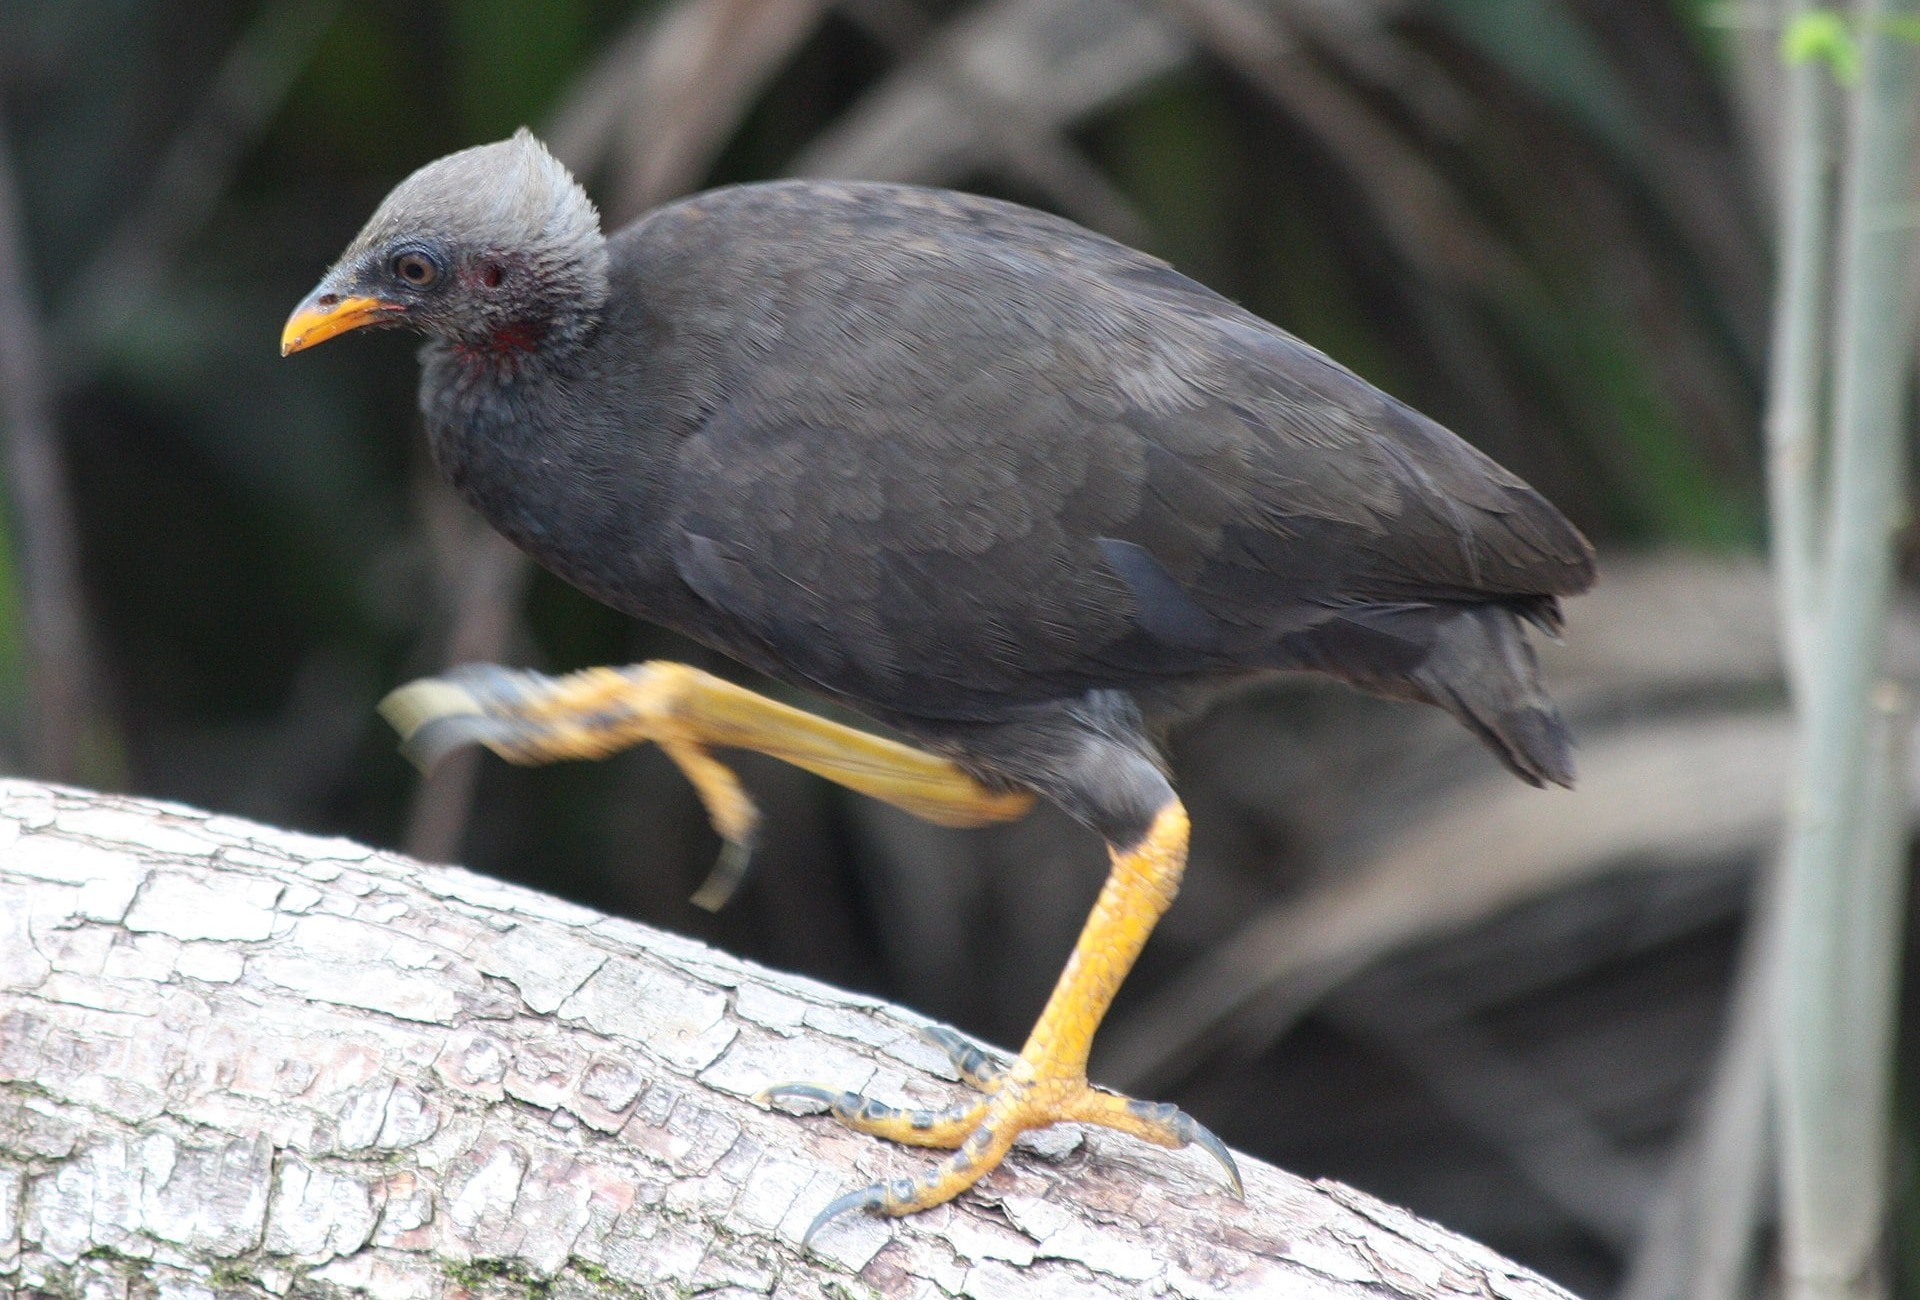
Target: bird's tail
(1482, 670)
(1471, 659)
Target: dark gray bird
(1009, 487)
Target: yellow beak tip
(323, 316)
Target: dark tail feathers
(1482, 670)
(1473, 660)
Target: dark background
(1541, 221)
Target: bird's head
(494, 249)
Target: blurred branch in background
(658, 106)
(60, 698)
(192, 176)
(1658, 798)
(1702, 1238)
(1700, 1233)
(66, 707)
(1549, 1134)
(1415, 203)
(993, 87)
(1795, 374)
(484, 579)
(995, 92)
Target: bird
(1016, 492)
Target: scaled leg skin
(1047, 1083)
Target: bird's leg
(530, 718)
(1047, 1083)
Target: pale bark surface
(236, 1060)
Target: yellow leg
(529, 718)
(1140, 888)
(1047, 1083)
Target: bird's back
(942, 456)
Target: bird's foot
(531, 718)
(980, 1133)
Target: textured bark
(236, 1060)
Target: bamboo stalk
(1698, 1240)
(1844, 839)
(1795, 371)
(1739, 1146)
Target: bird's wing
(1002, 458)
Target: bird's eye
(415, 268)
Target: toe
(967, 1056)
(1159, 1122)
(921, 1128)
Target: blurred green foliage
(1823, 35)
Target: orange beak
(325, 314)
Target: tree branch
(238, 1057)
(58, 654)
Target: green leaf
(1823, 35)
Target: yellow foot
(981, 1133)
(529, 718)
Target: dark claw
(436, 739)
(1201, 1136)
(1187, 1131)
(973, 1064)
(434, 718)
(468, 705)
(801, 1091)
(728, 871)
(867, 1198)
(947, 1040)
(876, 1197)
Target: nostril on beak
(327, 300)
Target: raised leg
(530, 718)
